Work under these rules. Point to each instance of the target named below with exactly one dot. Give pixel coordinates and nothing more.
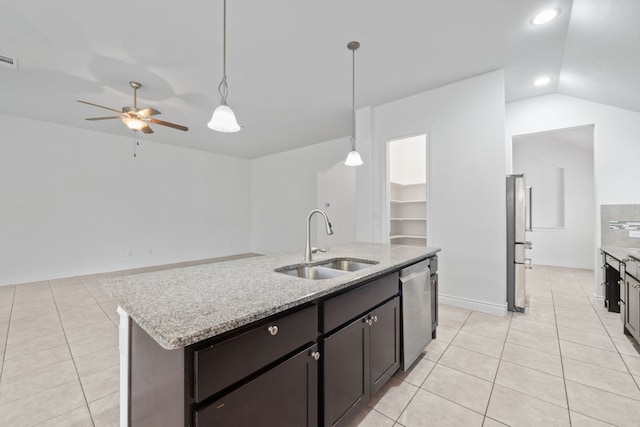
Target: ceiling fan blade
(171, 125)
(147, 112)
(146, 129)
(99, 106)
(102, 118)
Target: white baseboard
(130, 267)
(597, 299)
(470, 304)
(562, 263)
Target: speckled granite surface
(621, 253)
(182, 306)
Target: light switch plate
(634, 233)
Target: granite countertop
(183, 306)
(622, 253)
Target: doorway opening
(407, 190)
(336, 195)
(558, 164)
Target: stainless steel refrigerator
(518, 223)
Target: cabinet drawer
(218, 366)
(339, 310)
(286, 395)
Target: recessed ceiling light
(542, 81)
(545, 16)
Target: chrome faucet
(308, 250)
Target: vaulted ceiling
(289, 70)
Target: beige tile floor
(564, 362)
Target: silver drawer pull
(273, 330)
(315, 355)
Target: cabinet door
(633, 307)
(286, 395)
(346, 373)
(384, 343)
(434, 304)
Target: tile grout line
(434, 366)
(64, 332)
(493, 383)
(564, 378)
(6, 339)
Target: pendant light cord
(353, 99)
(223, 89)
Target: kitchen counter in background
(182, 306)
(621, 253)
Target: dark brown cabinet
(611, 276)
(632, 307)
(358, 359)
(257, 347)
(384, 344)
(318, 364)
(286, 395)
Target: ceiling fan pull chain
(135, 143)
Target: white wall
(465, 123)
(284, 188)
(408, 160)
(76, 202)
(572, 244)
(616, 147)
(337, 197)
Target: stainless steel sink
(327, 269)
(313, 273)
(347, 264)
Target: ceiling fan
(134, 117)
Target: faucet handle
(315, 250)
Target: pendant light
(353, 159)
(223, 119)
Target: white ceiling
(580, 136)
(289, 70)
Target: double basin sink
(326, 269)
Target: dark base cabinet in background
(611, 283)
(632, 307)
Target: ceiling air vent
(9, 61)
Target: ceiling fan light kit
(134, 118)
(353, 158)
(133, 123)
(223, 118)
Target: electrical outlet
(634, 233)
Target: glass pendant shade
(224, 120)
(353, 159)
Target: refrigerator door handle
(529, 227)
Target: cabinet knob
(375, 319)
(369, 321)
(315, 355)
(273, 329)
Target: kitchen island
(210, 344)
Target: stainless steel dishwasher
(416, 311)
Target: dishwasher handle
(414, 269)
